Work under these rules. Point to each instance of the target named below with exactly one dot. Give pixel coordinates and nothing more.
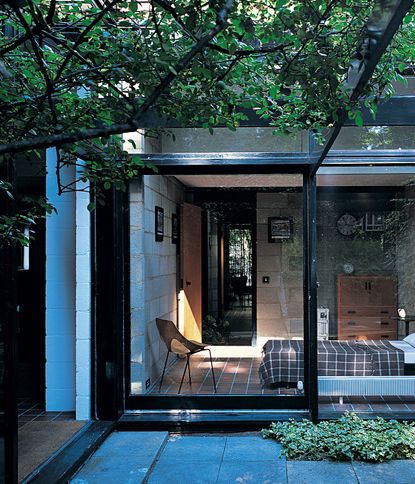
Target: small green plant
(348, 438)
(215, 330)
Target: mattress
(283, 360)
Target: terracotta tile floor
(234, 376)
(368, 404)
(239, 376)
(29, 411)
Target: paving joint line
(156, 459)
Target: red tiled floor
(239, 376)
(234, 376)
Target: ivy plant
(348, 438)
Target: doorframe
(308, 401)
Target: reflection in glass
(375, 138)
(365, 273)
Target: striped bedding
(283, 360)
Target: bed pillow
(410, 339)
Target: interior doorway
(239, 284)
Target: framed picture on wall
(174, 228)
(159, 224)
(374, 222)
(280, 229)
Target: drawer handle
(384, 323)
(384, 336)
(384, 312)
(351, 323)
(352, 336)
(351, 312)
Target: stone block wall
(154, 275)
(280, 302)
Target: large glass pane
(375, 138)
(233, 280)
(200, 140)
(366, 305)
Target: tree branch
(133, 123)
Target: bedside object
(402, 316)
(347, 224)
(323, 323)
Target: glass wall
(375, 138)
(231, 278)
(219, 140)
(366, 297)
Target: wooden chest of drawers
(365, 305)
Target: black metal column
(8, 338)
(109, 305)
(310, 295)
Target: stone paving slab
(193, 449)
(168, 472)
(321, 472)
(251, 449)
(156, 458)
(394, 472)
(219, 459)
(253, 472)
(124, 458)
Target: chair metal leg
(164, 369)
(188, 367)
(211, 365)
(184, 373)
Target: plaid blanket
(283, 360)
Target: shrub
(215, 330)
(348, 438)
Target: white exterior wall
(83, 305)
(60, 292)
(68, 279)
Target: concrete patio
(162, 458)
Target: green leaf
(359, 119)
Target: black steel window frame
(308, 401)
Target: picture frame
(159, 224)
(280, 229)
(374, 222)
(174, 228)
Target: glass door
(238, 309)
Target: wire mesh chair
(178, 344)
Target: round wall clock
(348, 268)
(347, 224)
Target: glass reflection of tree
(240, 253)
(376, 138)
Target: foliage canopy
(75, 73)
